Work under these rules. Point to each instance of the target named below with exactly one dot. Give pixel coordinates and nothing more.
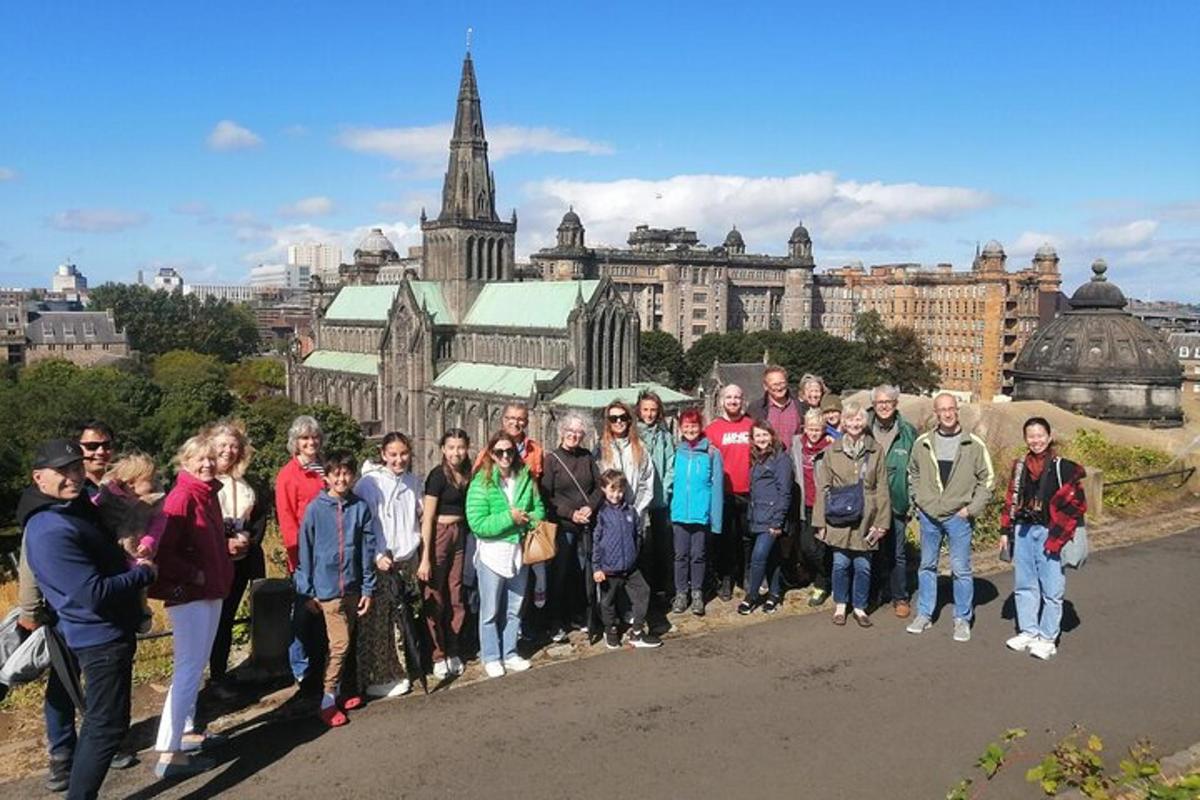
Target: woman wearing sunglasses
(620, 448)
(503, 504)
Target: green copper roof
(363, 303)
(429, 295)
(338, 361)
(537, 304)
(598, 398)
(492, 379)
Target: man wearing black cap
(87, 581)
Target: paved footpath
(793, 707)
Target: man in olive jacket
(950, 480)
(896, 436)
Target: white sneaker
(441, 669)
(1043, 649)
(1021, 642)
(397, 689)
(517, 664)
(494, 669)
(919, 625)
(455, 665)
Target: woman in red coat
(194, 576)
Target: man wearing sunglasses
(98, 445)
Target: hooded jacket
(395, 503)
(660, 444)
(835, 467)
(615, 540)
(969, 485)
(337, 548)
(770, 491)
(82, 572)
(640, 475)
(193, 542)
(698, 497)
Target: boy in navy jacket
(336, 572)
(615, 545)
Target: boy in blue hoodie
(336, 572)
(615, 546)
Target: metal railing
(1186, 472)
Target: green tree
(661, 358)
(252, 378)
(157, 322)
(897, 354)
(182, 368)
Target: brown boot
(902, 609)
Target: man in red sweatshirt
(730, 434)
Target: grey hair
(887, 390)
(811, 378)
(303, 425)
(940, 395)
(852, 409)
(569, 419)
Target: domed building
(1099, 360)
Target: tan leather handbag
(540, 544)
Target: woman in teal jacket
(697, 501)
(503, 504)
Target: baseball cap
(57, 453)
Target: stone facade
(1187, 348)
(86, 338)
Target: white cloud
(314, 206)
(228, 135)
(191, 208)
(431, 143)
(7, 174)
(1125, 237)
(277, 238)
(765, 209)
(97, 220)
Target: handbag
(844, 504)
(539, 544)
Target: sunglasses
(106, 444)
(503, 452)
(618, 418)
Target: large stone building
(1187, 348)
(1099, 360)
(687, 289)
(972, 322)
(452, 349)
(86, 338)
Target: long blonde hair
(237, 429)
(129, 468)
(606, 439)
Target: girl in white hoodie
(394, 496)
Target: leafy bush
(1119, 462)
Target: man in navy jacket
(86, 579)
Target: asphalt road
(791, 707)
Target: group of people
(784, 491)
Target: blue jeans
(1038, 583)
(690, 556)
(499, 612)
(59, 713)
(843, 561)
(958, 532)
(309, 645)
(764, 563)
(890, 567)
(107, 672)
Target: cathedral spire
(469, 191)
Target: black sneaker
(640, 638)
(60, 775)
(698, 603)
(680, 603)
(726, 590)
(745, 608)
(612, 639)
(771, 605)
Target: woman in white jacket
(620, 448)
(394, 496)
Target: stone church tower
(468, 245)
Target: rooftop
(363, 303)
(599, 398)
(338, 361)
(528, 305)
(492, 379)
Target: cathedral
(452, 348)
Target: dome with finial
(375, 243)
(1098, 359)
(993, 248)
(1046, 251)
(734, 238)
(571, 219)
(800, 234)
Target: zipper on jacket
(341, 550)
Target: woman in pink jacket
(194, 576)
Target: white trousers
(193, 626)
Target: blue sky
(209, 136)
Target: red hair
(691, 415)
